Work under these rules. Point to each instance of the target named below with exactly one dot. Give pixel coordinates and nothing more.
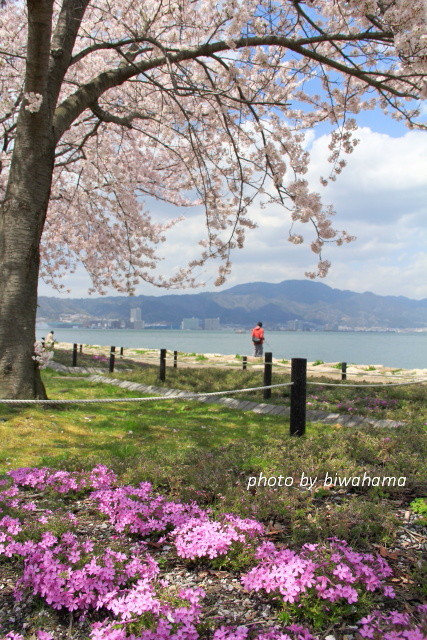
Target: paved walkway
(232, 403)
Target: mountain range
(308, 303)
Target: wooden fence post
(268, 366)
(244, 362)
(112, 359)
(298, 396)
(162, 369)
(81, 348)
(343, 371)
(175, 359)
(74, 355)
(121, 351)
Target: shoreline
(314, 368)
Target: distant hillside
(313, 304)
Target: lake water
(400, 350)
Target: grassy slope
(160, 429)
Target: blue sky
(381, 197)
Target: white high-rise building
(190, 324)
(136, 318)
(211, 324)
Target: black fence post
(268, 366)
(74, 355)
(162, 369)
(112, 359)
(343, 371)
(298, 396)
(121, 351)
(244, 362)
(175, 359)
(81, 348)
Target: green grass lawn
(160, 429)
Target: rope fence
(298, 388)
(180, 395)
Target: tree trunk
(19, 267)
(21, 223)
(23, 213)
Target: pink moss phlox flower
(293, 632)
(336, 572)
(209, 538)
(68, 576)
(10, 492)
(138, 510)
(394, 625)
(280, 570)
(172, 622)
(100, 477)
(11, 525)
(230, 633)
(41, 635)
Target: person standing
(258, 339)
(49, 341)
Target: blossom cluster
(42, 356)
(100, 477)
(138, 510)
(71, 575)
(334, 570)
(211, 538)
(34, 101)
(292, 632)
(393, 625)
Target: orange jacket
(258, 332)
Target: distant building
(293, 325)
(136, 318)
(211, 324)
(190, 324)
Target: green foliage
(419, 505)
(358, 520)
(240, 557)
(317, 362)
(322, 614)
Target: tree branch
(88, 94)
(125, 121)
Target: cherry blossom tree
(105, 105)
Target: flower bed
(116, 585)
